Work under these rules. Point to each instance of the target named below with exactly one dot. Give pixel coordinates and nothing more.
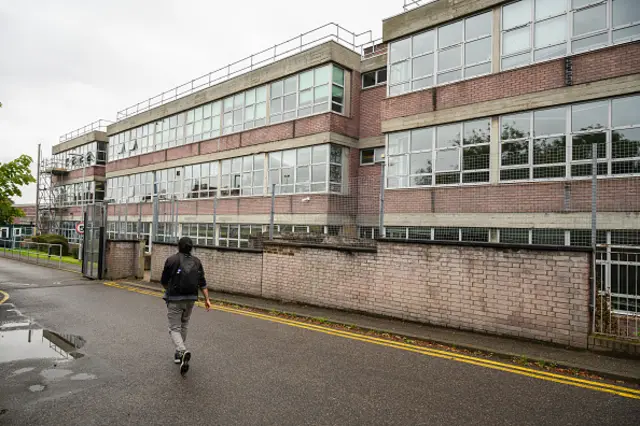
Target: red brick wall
(190, 150)
(276, 132)
(229, 142)
(405, 105)
(311, 125)
(370, 106)
(209, 147)
(525, 293)
(126, 163)
(608, 63)
(123, 259)
(151, 158)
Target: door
(93, 242)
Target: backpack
(187, 277)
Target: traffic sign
(80, 228)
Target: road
(245, 370)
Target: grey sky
(67, 63)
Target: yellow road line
(5, 297)
(523, 371)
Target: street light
(84, 193)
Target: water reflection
(24, 344)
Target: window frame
(376, 77)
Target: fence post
(381, 215)
(215, 212)
(594, 234)
(154, 223)
(273, 207)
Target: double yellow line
(5, 297)
(481, 362)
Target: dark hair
(185, 245)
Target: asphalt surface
(245, 371)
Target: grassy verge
(32, 254)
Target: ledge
(334, 247)
(111, 240)
(530, 247)
(242, 250)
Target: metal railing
(413, 4)
(305, 41)
(99, 125)
(27, 251)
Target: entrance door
(93, 242)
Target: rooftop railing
(412, 4)
(99, 125)
(305, 41)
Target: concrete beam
(373, 63)
(316, 139)
(254, 219)
(93, 178)
(565, 95)
(95, 136)
(372, 142)
(432, 14)
(319, 55)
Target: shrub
(53, 239)
(75, 252)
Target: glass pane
(446, 234)
(321, 76)
(319, 173)
(592, 115)
(335, 154)
(515, 61)
(625, 167)
(421, 139)
(477, 26)
(590, 20)
(449, 76)
(477, 70)
(422, 83)
(306, 97)
(514, 174)
(250, 97)
(549, 122)
(447, 160)
(450, 58)
(549, 172)
(550, 52)
(398, 143)
(320, 154)
(276, 89)
(306, 80)
(550, 32)
(399, 89)
(514, 236)
(423, 66)
(626, 143)
(477, 132)
(475, 157)
(337, 94)
(302, 174)
(290, 102)
(338, 75)
(238, 100)
(450, 34)
(290, 85)
(626, 34)
(516, 126)
(516, 41)
(369, 79)
(304, 156)
(549, 151)
(399, 50)
(582, 145)
(514, 153)
(589, 42)
(516, 14)
(477, 51)
(421, 163)
(321, 94)
(289, 158)
(335, 173)
(399, 72)
(548, 8)
(625, 12)
(367, 156)
(423, 43)
(625, 111)
(585, 169)
(448, 136)
(553, 237)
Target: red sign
(80, 228)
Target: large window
(536, 30)
(88, 155)
(452, 52)
(450, 154)
(238, 235)
(305, 170)
(314, 91)
(374, 78)
(558, 142)
(202, 234)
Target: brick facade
(124, 259)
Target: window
(200, 180)
(305, 170)
(255, 111)
(371, 156)
(231, 177)
(314, 91)
(450, 154)
(452, 52)
(202, 234)
(337, 91)
(374, 78)
(537, 30)
(253, 175)
(514, 236)
(558, 142)
(237, 236)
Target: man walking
(182, 276)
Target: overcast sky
(66, 63)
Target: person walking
(182, 276)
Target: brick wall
(276, 132)
(234, 271)
(124, 259)
(190, 150)
(152, 158)
(525, 293)
(370, 105)
(607, 63)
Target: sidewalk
(501, 347)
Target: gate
(94, 241)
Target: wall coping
(529, 247)
(196, 246)
(335, 247)
(112, 240)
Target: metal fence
(98, 125)
(38, 253)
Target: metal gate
(94, 242)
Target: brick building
(483, 114)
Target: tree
(13, 175)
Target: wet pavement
(245, 371)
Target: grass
(32, 254)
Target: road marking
(481, 362)
(5, 297)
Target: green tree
(13, 175)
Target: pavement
(112, 365)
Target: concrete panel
(327, 52)
(372, 142)
(564, 95)
(95, 136)
(432, 14)
(374, 63)
(255, 219)
(316, 139)
(93, 178)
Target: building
(72, 177)
(483, 114)
(21, 227)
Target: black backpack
(187, 276)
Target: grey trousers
(179, 314)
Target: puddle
(16, 345)
(22, 371)
(84, 376)
(36, 388)
(54, 373)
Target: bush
(75, 252)
(53, 239)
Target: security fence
(37, 253)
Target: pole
(38, 189)
(84, 201)
(594, 208)
(381, 215)
(273, 208)
(215, 225)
